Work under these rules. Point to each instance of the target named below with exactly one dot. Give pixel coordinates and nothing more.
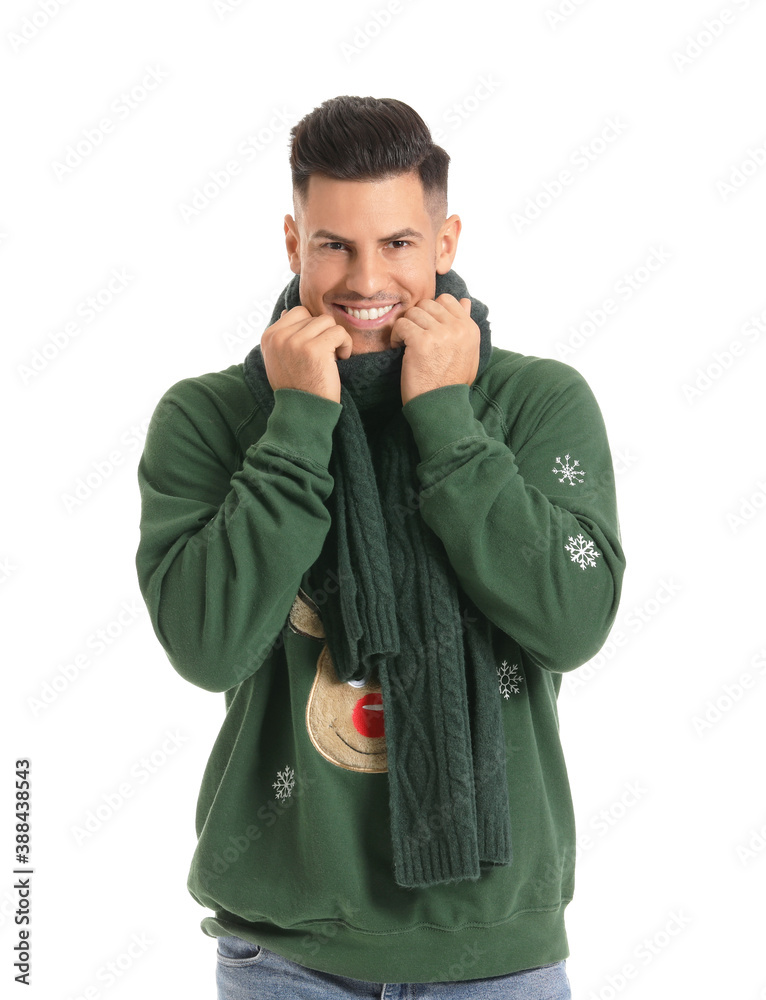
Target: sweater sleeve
(224, 543)
(530, 526)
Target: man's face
(368, 245)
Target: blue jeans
(246, 971)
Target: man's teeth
(368, 313)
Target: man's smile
(368, 317)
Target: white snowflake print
(569, 472)
(285, 782)
(582, 551)
(510, 679)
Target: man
(384, 540)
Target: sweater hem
(417, 954)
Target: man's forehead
(403, 179)
(394, 206)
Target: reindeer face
(344, 720)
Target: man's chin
(368, 341)
(369, 345)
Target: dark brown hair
(367, 138)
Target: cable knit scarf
(396, 611)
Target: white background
(663, 732)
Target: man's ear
(446, 243)
(293, 244)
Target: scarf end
(435, 862)
(495, 846)
(423, 862)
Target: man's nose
(367, 273)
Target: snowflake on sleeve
(583, 551)
(285, 782)
(569, 472)
(509, 679)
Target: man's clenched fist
(300, 351)
(442, 345)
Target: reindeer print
(344, 719)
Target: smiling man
(384, 539)
(369, 270)
(368, 253)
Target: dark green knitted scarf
(397, 611)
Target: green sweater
(293, 825)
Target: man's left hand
(442, 345)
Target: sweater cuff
(441, 417)
(302, 423)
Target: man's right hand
(300, 351)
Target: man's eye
(332, 246)
(402, 243)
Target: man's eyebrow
(325, 234)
